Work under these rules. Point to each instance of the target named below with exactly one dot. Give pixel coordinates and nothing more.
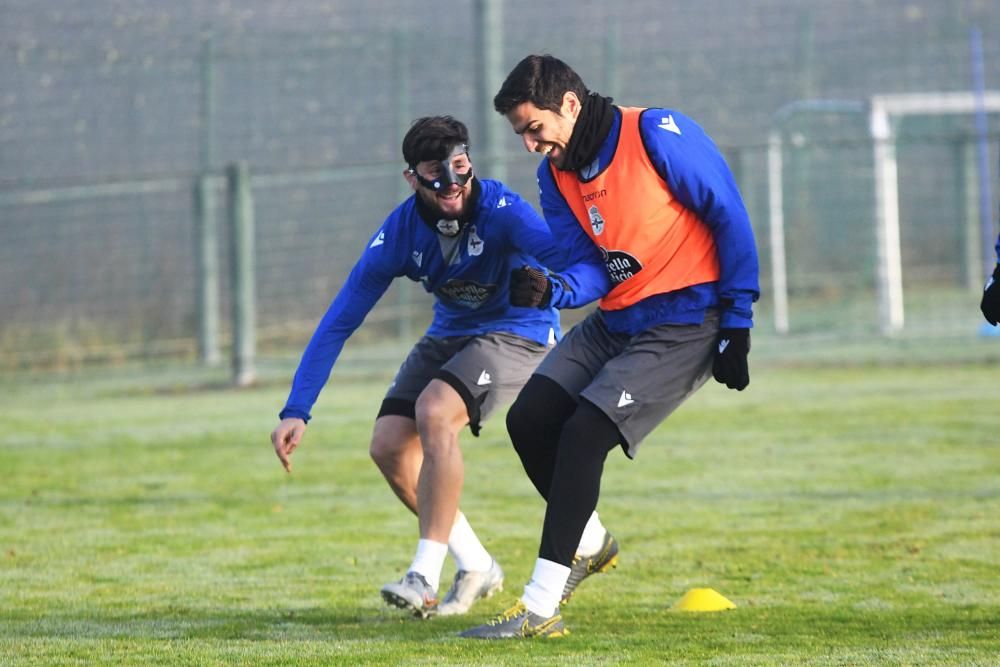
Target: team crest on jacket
(466, 293)
(475, 243)
(448, 227)
(621, 265)
(596, 221)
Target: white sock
(468, 552)
(543, 592)
(593, 537)
(429, 561)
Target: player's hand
(530, 288)
(286, 437)
(730, 364)
(990, 304)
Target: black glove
(730, 365)
(990, 304)
(530, 288)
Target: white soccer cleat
(468, 587)
(412, 592)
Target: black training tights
(563, 446)
(534, 423)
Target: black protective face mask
(448, 174)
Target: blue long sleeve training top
(469, 275)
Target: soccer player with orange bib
(647, 193)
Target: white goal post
(882, 109)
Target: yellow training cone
(703, 599)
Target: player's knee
(385, 452)
(539, 411)
(520, 416)
(527, 407)
(440, 412)
(589, 432)
(430, 416)
(391, 437)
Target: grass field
(851, 513)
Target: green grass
(852, 515)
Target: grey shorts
(637, 381)
(486, 370)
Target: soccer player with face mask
(461, 238)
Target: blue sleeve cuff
(558, 289)
(292, 412)
(735, 322)
(737, 316)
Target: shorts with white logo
(486, 370)
(637, 381)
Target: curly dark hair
(542, 80)
(433, 138)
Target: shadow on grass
(766, 628)
(285, 624)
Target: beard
(432, 213)
(433, 206)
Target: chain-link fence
(111, 119)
